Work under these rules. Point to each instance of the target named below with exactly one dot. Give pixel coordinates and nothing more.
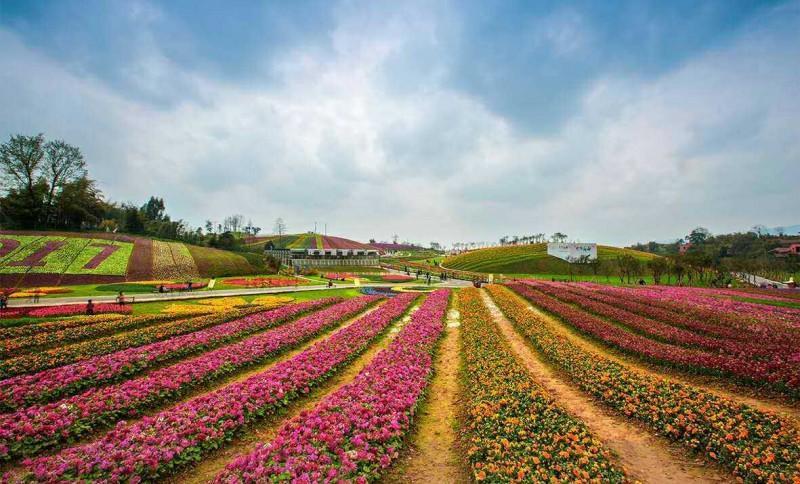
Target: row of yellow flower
(513, 430)
(756, 446)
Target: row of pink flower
(66, 310)
(625, 314)
(396, 278)
(158, 444)
(13, 347)
(31, 430)
(355, 432)
(784, 377)
(30, 329)
(708, 315)
(689, 295)
(49, 384)
(696, 318)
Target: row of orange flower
(754, 445)
(513, 430)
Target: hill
(57, 258)
(307, 240)
(525, 259)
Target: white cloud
(332, 139)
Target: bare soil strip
(645, 457)
(432, 454)
(764, 401)
(267, 429)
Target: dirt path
(644, 456)
(709, 384)
(265, 430)
(432, 455)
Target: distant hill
(785, 230)
(29, 258)
(526, 259)
(307, 240)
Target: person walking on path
(89, 308)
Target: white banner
(572, 252)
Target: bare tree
(63, 163)
(280, 228)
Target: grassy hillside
(57, 258)
(525, 259)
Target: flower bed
(512, 429)
(339, 276)
(665, 332)
(265, 281)
(10, 348)
(159, 444)
(35, 291)
(754, 445)
(65, 355)
(172, 260)
(50, 384)
(31, 430)
(396, 278)
(354, 433)
(66, 310)
(783, 378)
(32, 329)
(59, 255)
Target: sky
(613, 122)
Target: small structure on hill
(316, 250)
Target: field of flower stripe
(25, 329)
(784, 378)
(694, 318)
(47, 385)
(13, 347)
(754, 445)
(65, 355)
(30, 430)
(512, 429)
(356, 432)
(746, 349)
(159, 444)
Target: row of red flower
(158, 444)
(13, 347)
(513, 431)
(354, 433)
(30, 430)
(756, 446)
(783, 378)
(747, 349)
(65, 310)
(47, 385)
(705, 318)
(31, 329)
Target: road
(178, 296)
(758, 280)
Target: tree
(21, 160)
(132, 220)
(63, 163)
(657, 266)
(699, 235)
(280, 229)
(559, 237)
(154, 209)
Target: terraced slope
(58, 258)
(526, 259)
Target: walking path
(643, 455)
(432, 455)
(201, 294)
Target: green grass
(768, 302)
(526, 259)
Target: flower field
(345, 389)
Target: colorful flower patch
(47, 385)
(161, 443)
(396, 278)
(65, 310)
(64, 255)
(276, 281)
(172, 260)
(355, 433)
(512, 429)
(755, 446)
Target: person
(35, 297)
(121, 299)
(161, 288)
(641, 282)
(330, 283)
(89, 307)
(3, 301)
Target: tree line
(45, 185)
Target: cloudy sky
(613, 122)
